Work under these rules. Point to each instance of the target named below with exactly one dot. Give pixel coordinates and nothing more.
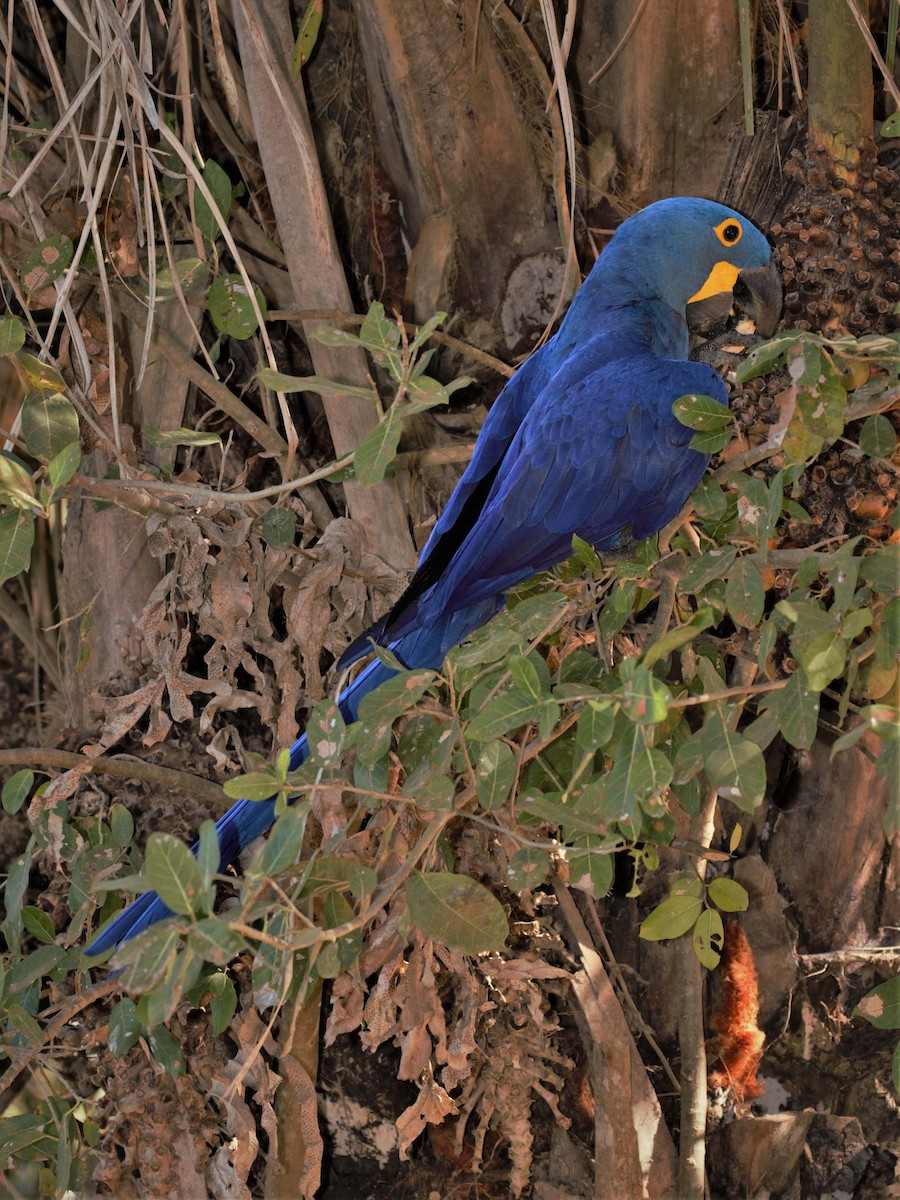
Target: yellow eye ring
(729, 232)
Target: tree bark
(680, 69)
(841, 96)
(454, 138)
(294, 180)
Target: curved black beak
(764, 287)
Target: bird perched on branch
(582, 440)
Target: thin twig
(692, 1039)
(122, 766)
(352, 320)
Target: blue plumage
(582, 441)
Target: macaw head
(684, 250)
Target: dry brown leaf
(431, 1107)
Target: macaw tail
(238, 827)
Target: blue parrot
(582, 440)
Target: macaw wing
(462, 509)
(599, 457)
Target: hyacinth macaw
(582, 440)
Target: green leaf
(881, 1006)
(49, 423)
(527, 678)
(378, 448)
(16, 482)
(710, 441)
(708, 938)
(16, 540)
(212, 941)
(12, 335)
(617, 607)
(25, 1025)
(891, 128)
(277, 381)
(672, 918)
(338, 911)
(797, 709)
(823, 659)
(38, 923)
(63, 466)
(426, 748)
(175, 874)
(325, 733)
(28, 1136)
(584, 553)
(223, 1005)
(255, 785)
(595, 727)
(590, 860)
(166, 1052)
(34, 967)
(502, 714)
(282, 847)
(17, 789)
(563, 815)
(40, 374)
(881, 570)
(145, 959)
(701, 412)
(745, 595)
(330, 873)
(676, 638)
(819, 414)
(495, 772)
(708, 567)
(14, 894)
(770, 354)
(737, 770)
(710, 500)
(895, 1061)
(231, 308)
(380, 709)
(208, 854)
(638, 777)
(45, 262)
(328, 335)
(645, 699)
(209, 223)
(124, 1027)
(121, 824)
(877, 437)
(279, 528)
(191, 274)
(728, 894)
(457, 911)
(307, 35)
(378, 333)
(165, 438)
(528, 868)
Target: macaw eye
(729, 232)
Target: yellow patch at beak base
(720, 279)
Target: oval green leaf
(49, 423)
(671, 919)
(175, 874)
(708, 938)
(231, 308)
(728, 895)
(457, 911)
